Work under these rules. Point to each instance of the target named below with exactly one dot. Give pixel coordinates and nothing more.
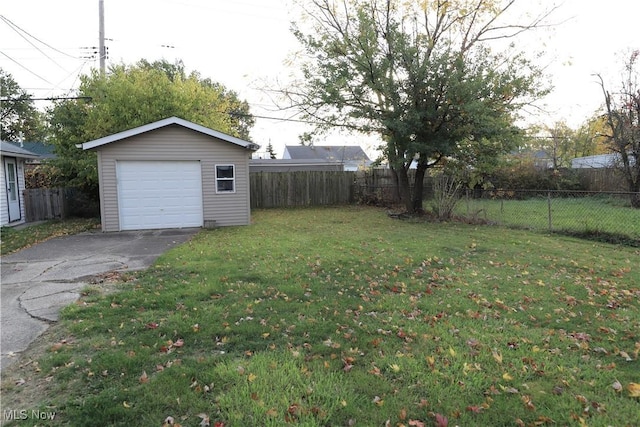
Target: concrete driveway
(37, 282)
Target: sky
(246, 44)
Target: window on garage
(225, 179)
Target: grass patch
(586, 217)
(340, 317)
(13, 239)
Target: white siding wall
(178, 143)
(4, 213)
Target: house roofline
(11, 150)
(163, 123)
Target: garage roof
(167, 122)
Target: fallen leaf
(497, 356)
(144, 378)
(204, 420)
(431, 361)
(441, 421)
(526, 400)
(416, 423)
(507, 377)
(403, 414)
(272, 412)
(125, 404)
(634, 389)
(252, 377)
(179, 343)
(617, 386)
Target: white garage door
(158, 194)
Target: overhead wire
(15, 28)
(38, 40)
(26, 69)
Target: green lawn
(343, 316)
(575, 214)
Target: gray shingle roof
(9, 149)
(44, 150)
(328, 152)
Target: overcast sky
(47, 44)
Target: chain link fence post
(549, 211)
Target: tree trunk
(404, 188)
(635, 194)
(396, 186)
(418, 188)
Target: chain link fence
(572, 212)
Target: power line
(26, 69)
(10, 23)
(16, 28)
(53, 98)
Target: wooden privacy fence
(44, 203)
(602, 179)
(305, 188)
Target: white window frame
(221, 179)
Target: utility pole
(103, 51)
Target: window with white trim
(225, 179)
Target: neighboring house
(596, 162)
(12, 162)
(44, 151)
(292, 165)
(352, 157)
(172, 174)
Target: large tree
(622, 112)
(19, 118)
(420, 74)
(129, 96)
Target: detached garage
(172, 174)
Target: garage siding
(178, 143)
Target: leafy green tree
(19, 118)
(560, 144)
(129, 96)
(622, 113)
(418, 74)
(590, 137)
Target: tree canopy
(19, 118)
(420, 74)
(129, 96)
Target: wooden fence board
(301, 188)
(44, 204)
